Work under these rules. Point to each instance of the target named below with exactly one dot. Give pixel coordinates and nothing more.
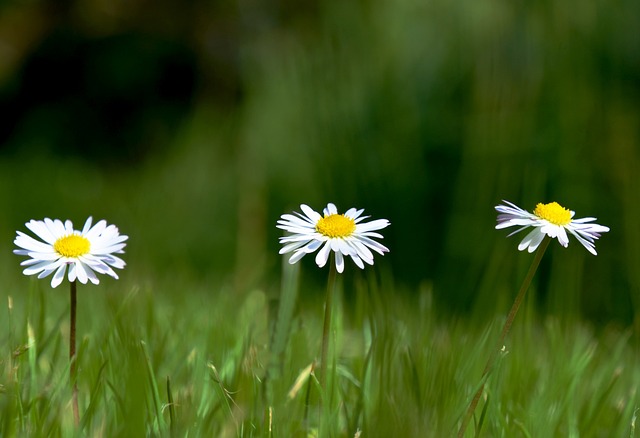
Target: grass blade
(155, 394)
(170, 405)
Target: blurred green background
(194, 125)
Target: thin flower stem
(72, 356)
(505, 331)
(331, 286)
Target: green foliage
(424, 113)
(198, 364)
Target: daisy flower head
(84, 252)
(344, 234)
(551, 220)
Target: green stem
(72, 355)
(505, 331)
(324, 358)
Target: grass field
(186, 360)
(205, 333)
(427, 114)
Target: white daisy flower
(85, 252)
(551, 220)
(344, 234)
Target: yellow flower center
(336, 225)
(554, 213)
(72, 246)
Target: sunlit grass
(398, 367)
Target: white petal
(292, 246)
(357, 261)
(296, 256)
(513, 209)
(112, 273)
(56, 227)
(377, 247)
(34, 269)
(49, 269)
(93, 278)
(323, 254)
(583, 220)
(591, 228)
(108, 249)
(517, 231)
(87, 226)
(339, 262)
(30, 262)
(550, 229)
(96, 265)
(313, 215)
(373, 225)
(588, 245)
(97, 229)
(362, 250)
(533, 234)
(562, 237)
(350, 213)
(114, 261)
(341, 246)
(58, 276)
(43, 255)
(289, 219)
(297, 230)
(297, 238)
(535, 242)
(47, 272)
(515, 222)
(73, 272)
(28, 242)
(371, 234)
(80, 272)
(312, 246)
(103, 241)
(331, 209)
(356, 216)
(41, 230)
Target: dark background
(194, 125)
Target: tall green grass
(223, 363)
